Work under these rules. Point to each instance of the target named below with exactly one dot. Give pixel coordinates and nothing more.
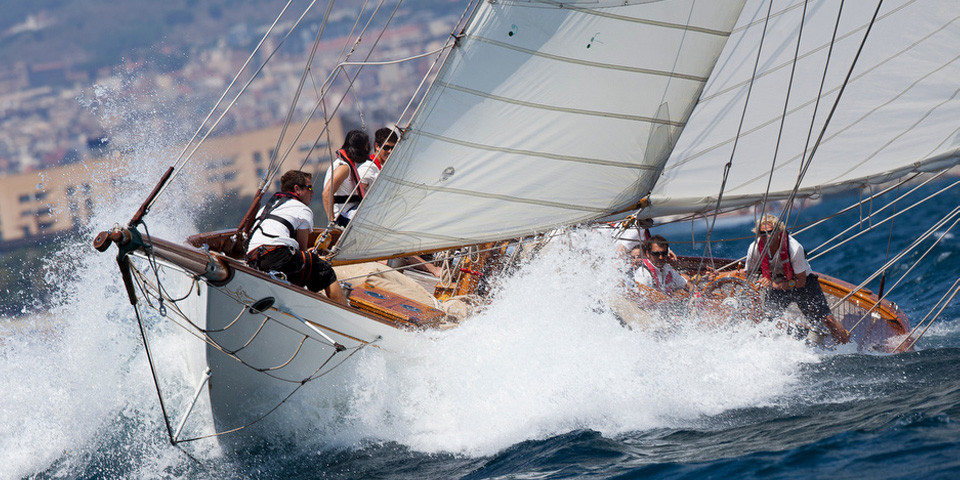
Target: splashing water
(77, 370)
(544, 360)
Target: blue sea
(542, 385)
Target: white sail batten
(547, 113)
(897, 115)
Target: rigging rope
(786, 101)
(890, 218)
(849, 208)
(788, 205)
(915, 264)
(182, 161)
(945, 301)
(448, 45)
(892, 261)
(805, 166)
(743, 115)
(153, 371)
(275, 164)
(196, 331)
(886, 255)
(293, 106)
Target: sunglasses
(387, 147)
(308, 188)
(659, 254)
(767, 233)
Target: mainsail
(547, 113)
(898, 113)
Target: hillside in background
(95, 34)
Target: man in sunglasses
(279, 240)
(652, 269)
(782, 265)
(384, 140)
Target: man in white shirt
(279, 240)
(782, 265)
(652, 269)
(384, 140)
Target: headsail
(898, 113)
(547, 113)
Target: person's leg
(775, 303)
(319, 276)
(279, 260)
(813, 304)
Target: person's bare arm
(303, 239)
(428, 266)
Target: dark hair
(655, 240)
(384, 135)
(293, 178)
(357, 146)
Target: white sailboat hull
(265, 365)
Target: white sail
(898, 114)
(547, 113)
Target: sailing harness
(358, 193)
(784, 257)
(276, 200)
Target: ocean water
(543, 384)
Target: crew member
(652, 269)
(384, 140)
(280, 236)
(342, 190)
(784, 270)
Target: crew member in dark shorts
(280, 236)
(784, 269)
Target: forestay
(898, 113)
(547, 113)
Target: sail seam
(509, 198)
(540, 106)
(609, 66)
(642, 21)
(776, 68)
(866, 115)
(551, 156)
(803, 105)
